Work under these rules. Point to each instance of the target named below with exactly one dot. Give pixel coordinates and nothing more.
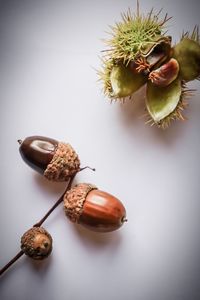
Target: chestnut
(55, 160)
(165, 74)
(94, 209)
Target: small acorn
(55, 160)
(94, 209)
(36, 243)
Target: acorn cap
(74, 200)
(64, 164)
(36, 243)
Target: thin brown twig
(38, 224)
(12, 261)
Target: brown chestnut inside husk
(94, 209)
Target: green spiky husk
(187, 53)
(135, 33)
(192, 36)
(104, 76)
(177, 114)
(134, 41)
(120, 80)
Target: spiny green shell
(124, 82)
(134, 37)
(135, 33)
(187, 53)
(162, 101)
(139, 52)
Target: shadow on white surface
(39, 267)
(49, 186)
(133, 109)
(97, 240)
(47, 86)
(133, 115)
(13, 270)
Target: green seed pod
(137, 41)
(153, 54)
(124, 82)
(165, 103)
(187, 53)
(139, 52)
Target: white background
(49, 51)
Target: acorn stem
(11, 262)
(124, 220)
(56, 204)
(20, 142)
(18, 255)
(87, 167)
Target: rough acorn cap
(74, 200)
(64, 164)
(36, 243)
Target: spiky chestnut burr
(140, 53)
(125, 80)
(139, 43)
(57, 161)
(94, 209)
(187, 53)
(36, 243)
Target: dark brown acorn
(94, 209)
(55, 160)
(36, 243)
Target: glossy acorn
(94, 209)
(36, 243)
(55, 160)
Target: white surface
(48, 85)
